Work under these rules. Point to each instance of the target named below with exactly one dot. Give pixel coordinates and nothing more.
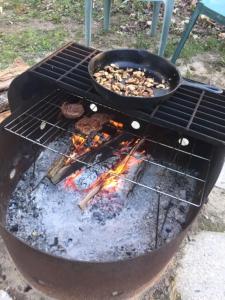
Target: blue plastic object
(169, 5)
(214, 9)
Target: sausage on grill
(72, 110)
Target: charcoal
(14, 228)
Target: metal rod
(147, 139)
(162, 166)
(196, 109)
(122, 177)
(167, 212)
(81, 62)
(157, 222)
(55, 93)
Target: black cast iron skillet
(154, 66)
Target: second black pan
(154, 65)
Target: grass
(29, 44)
(194, 47)
(207, 225)
(144, 41)
(54, 11)
(34, 43)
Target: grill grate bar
(190, 96)
(215, 99)
(48, 73)
(50, 65)
(51, 113)
(65, 60)
(213, 104)
(75, 48)
(27, 125)
(80, 63)
(207, 110)
(206, 129)
(190, 91)
(179, 112)
(209, 116)
(121, 177)
(57, 61)
(182, 102)
(195, 110)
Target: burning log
(54, 171)
(109, 176)
(81, 146)
(64, 167)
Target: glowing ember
(125, 146)
(70, 180)
(116, 124)
(111, 180)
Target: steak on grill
(72, 110)
(94, 123)
(87, 125)
(101, 117)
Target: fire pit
(98, 213)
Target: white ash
(49, 218)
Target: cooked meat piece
(72, 110)
(87, 125)
(101, 117)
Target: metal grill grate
(193, 111)
(42, 123)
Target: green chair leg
(107, 8)
(155, 17)
(88, 21)
(186, 33)
(168, 12)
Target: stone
(115, 293)
(222, 35)
(173, 21)
(201, 275)
(4, 295)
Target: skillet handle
(202, 86)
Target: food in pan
(128, 82)
(72, 110)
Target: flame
(116, 124)
(122, 168)
(110, 181)
(80, 145)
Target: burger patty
(72, 110)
